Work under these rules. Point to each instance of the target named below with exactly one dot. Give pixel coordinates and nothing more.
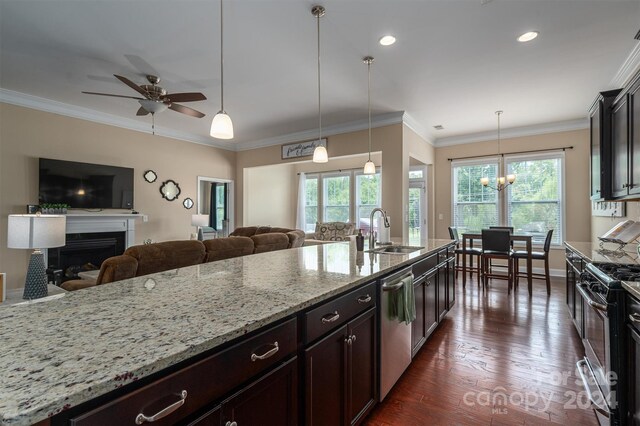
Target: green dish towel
(402, 302)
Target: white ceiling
(455, 61)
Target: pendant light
(320, 154)
(221, 125)
(369, 167)
(501, 182)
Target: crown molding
(380, 120)
(628, 69)
(515, 132)
(60, 108)
(418, 128)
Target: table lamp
(199, 220)
(36, 231)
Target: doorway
(215, 198)
(417, 205)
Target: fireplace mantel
(104, 222)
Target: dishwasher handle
(395, 281)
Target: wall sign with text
(301, 149)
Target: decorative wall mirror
(170, 190)
(187, 203)
(150, 176)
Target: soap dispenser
(360, 241)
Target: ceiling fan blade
(142, 111)
(186, 97)
(115, 96)
(186, 110)
(131, 84)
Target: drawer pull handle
(634, 317)
(141, 418)
(330, 317)
(231, 424)
(268, 354)
(365, 299)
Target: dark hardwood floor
(496, 359)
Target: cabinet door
(325, 380)
(571, 289)
(430, 303)
(442, 292)
(361, 366)
(620, 138)
(211, 418)
(418, 327)
(633, 401)
(451, 283)
(634, 139)
(596, 158)
(272, 400)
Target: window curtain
(300, 214)
(213, 213)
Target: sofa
(152, 258)
(330, 232)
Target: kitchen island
(96, 346)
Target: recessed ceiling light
(387, 40)
(528, 36)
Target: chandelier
(501, 181)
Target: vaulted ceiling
(454, 63)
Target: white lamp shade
(199, 220)
(34, 231)
(369, 168)
(153, 106)
(320, 154)
(221, 126)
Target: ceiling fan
(156, 99)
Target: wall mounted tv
(84, 185)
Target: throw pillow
(333, 231)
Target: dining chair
(507, 228)
(535, 255)
(496, 244)
(469, 251)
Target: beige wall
(387, 140)
(26, 135)
(577, 204)
(601, 224)
(270, 200)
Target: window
(532, 205)
(345, 196)
(337, 197)
(534, 202)
(475, 207)
(367, 198)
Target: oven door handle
(590, 301)
(580, 365)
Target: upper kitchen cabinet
(601, 150)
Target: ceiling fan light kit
(320, 154)
(221, 125)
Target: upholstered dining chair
(472, 252)
(496, 244)
(535, 255)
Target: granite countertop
(61, 353)
(592, 252)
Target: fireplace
(85, 251)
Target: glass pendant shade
(511, 178)
(221, 126)
(320, 155)
(369, 168)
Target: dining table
(526, 238)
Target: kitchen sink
(395, 249)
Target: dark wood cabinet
(633, 99)
(620, 148)
(340, 373)
(601, 150)
(442, 292)
(574, 300)
(451, 283)
(633, 400)
(270, 401)
(431, 316)
(418, 326)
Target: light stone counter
(591, 251)
(58, 354)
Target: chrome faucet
(372, 233)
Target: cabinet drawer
(204, 381)
(442, 256)
(633, 312)
(423, 266)
(332, 314)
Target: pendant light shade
(221, 125)
(369, 167)
(320, 154)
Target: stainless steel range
(601, 370)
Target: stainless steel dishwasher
(395, 336)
